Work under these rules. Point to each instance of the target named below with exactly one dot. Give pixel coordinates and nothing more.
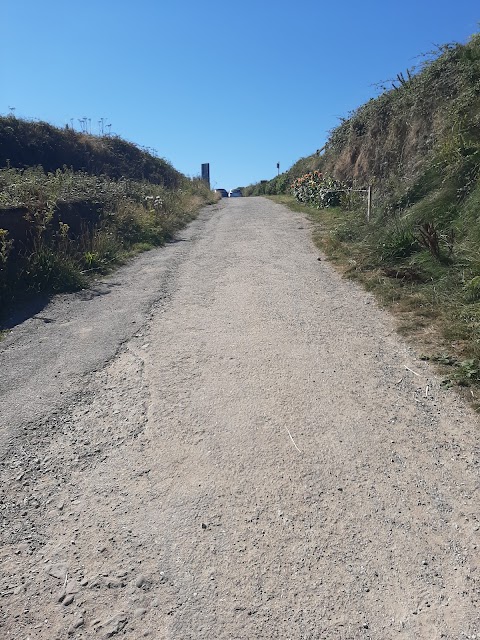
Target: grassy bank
(433, 290)
(424, 127)
(27, 144)
(60, 227)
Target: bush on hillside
(317, 190)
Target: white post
(369, 202)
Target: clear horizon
(241, 88)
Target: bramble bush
(317, 190)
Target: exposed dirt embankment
(260, 457)
(80, 216)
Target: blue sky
(240, 85)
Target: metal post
(369, 202)
(206, 173)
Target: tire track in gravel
(254, 462)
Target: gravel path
(230, 445)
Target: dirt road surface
(225, 439)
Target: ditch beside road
(224, 439)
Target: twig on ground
(290, 435)
(408, 369)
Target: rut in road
(255, 462)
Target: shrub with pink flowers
(317, 190)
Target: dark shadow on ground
(176, 240)
(22, 310)
(31, 304)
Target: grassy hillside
(72, 205)
(418, 145)
(30, 144)
(427, 117)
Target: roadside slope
(263, 458)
